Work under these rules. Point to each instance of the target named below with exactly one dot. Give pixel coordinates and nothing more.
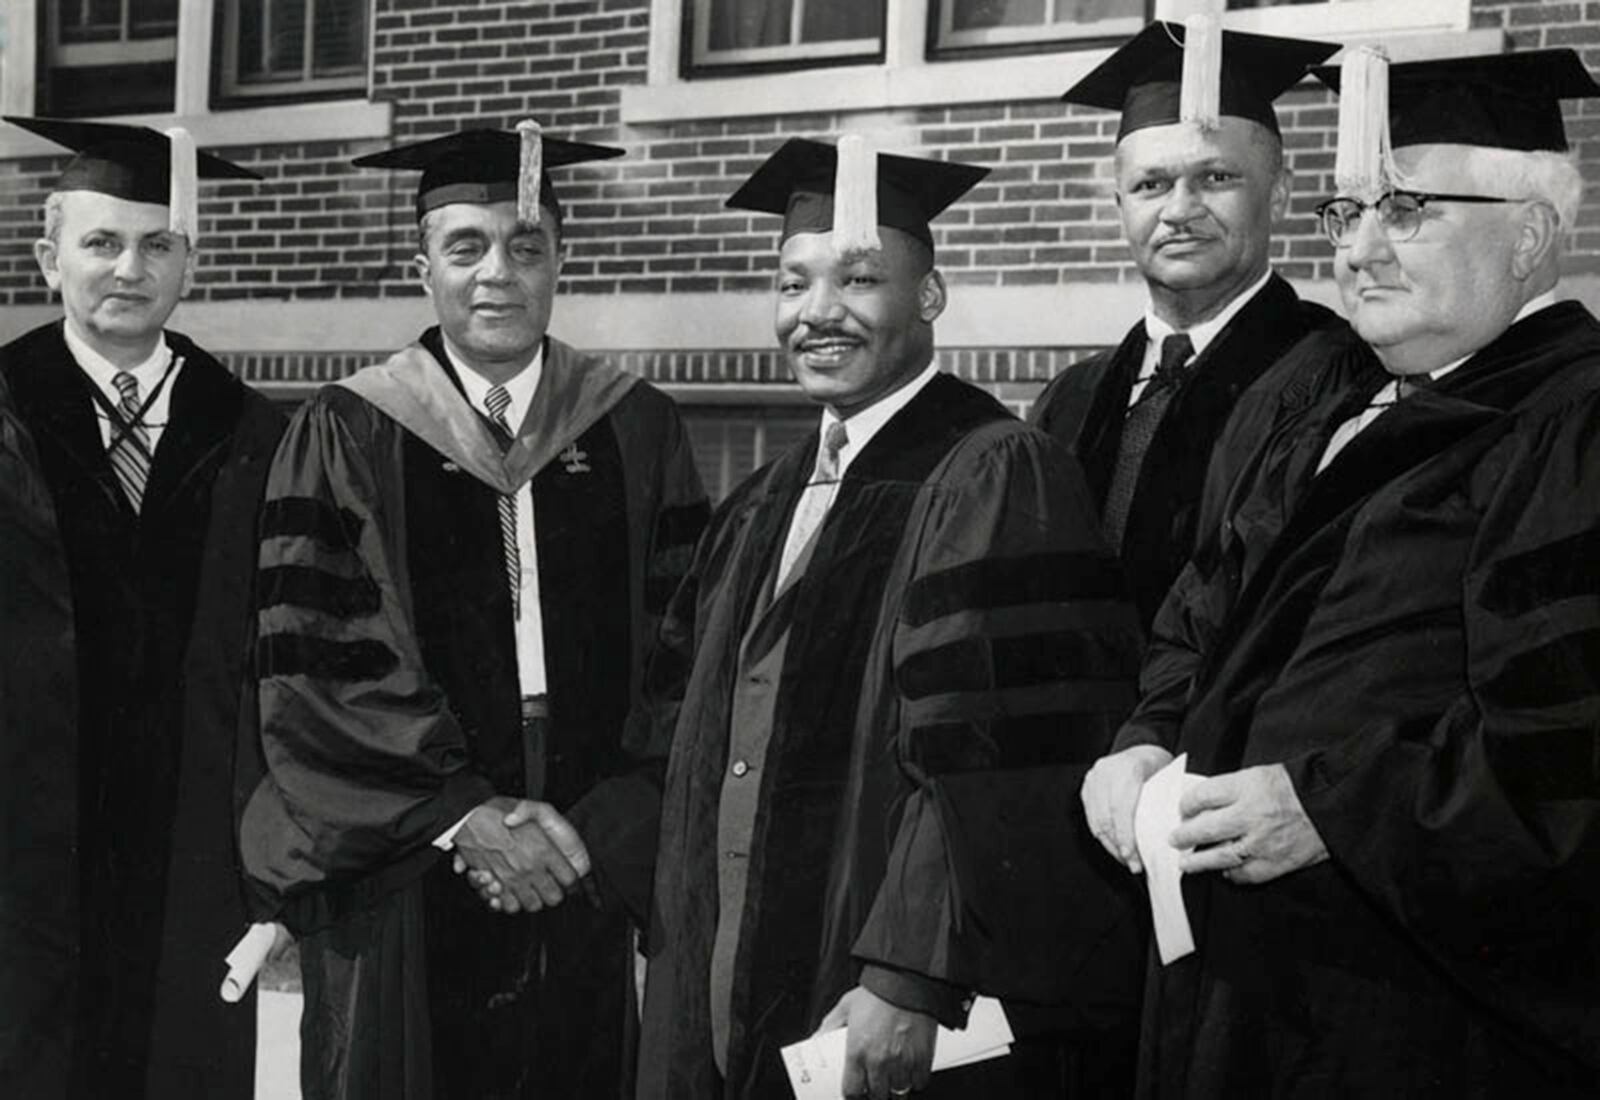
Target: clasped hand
(1247, 824)
(520, 856)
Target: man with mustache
(892, 643)
(464, 554)
(1392, 674)
(134, 467)
(1198, 200)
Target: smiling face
(856, 329)
(1197, 210)
(1426, 302)
(119, 270)
(492, 281)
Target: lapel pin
(576, 460)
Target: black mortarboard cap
(128, 162)
(1504, 101)
(798, 182)
(482, 166)
(1143, 79)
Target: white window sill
(331, 120)
(990, 80)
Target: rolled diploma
(245, 960)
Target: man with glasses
(1197, 203)
(1393, 652)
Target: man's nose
(130, 265)
(1369, 244)
(822, 304)
(1182, 203)
(495, 267)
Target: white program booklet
(816, 1064)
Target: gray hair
(1536, 176)
(55, 215)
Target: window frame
(945, 41)
(347, 118)
(227, 92)
(908, 76)
(699, 59)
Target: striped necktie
(130, 441)
(497, 401)
(815, 498)
(1138, 429)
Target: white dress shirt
(1200, 335)
(860, 427)
(101, 371)
(530, 622)
(1386, 397)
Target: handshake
(521, 856)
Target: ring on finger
(904, 1090)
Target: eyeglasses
(1399, 214)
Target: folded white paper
(245, 960)
(816, 1064)
(1154, 819)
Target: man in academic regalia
(1390, 675)
(1198, 197)
(893, 642)
(464, 553)
(134, 466)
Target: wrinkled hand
(522, 855)
(888, 1051)
(1111, 793)
(1252, 825)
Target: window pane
(152, 18)
(286, 50)
(91, 20)
(252, 32)
(740, 24)
(77, 92)
(339, 37)
(830, 21)
(743, 24)
(970, 14)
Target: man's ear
(190, 258)
(1538, 233)
(46, 255)
(931, 296)
(1282, 186)
(423, 267)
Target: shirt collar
(101, 370)
(865, 423)
(519, 387)
(1204, 332)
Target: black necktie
(497, 401)
(1138, 429)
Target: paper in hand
(1154, 820)
(816, 1064)
(245, 960)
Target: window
(761, 33)
(732, 442)
(108, 57)
(280, 49)
(964, 24)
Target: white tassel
(855, 198)
(1200, 94)
(530, 171)
(183, 188)
(1363, 166)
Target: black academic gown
(390, 706)
(956, 646)
(161, 610)
(1412, 634)
(1085, 407)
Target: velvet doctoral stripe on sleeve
(366, 764)
(1011, 650)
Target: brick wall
(654, 222)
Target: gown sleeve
(366, 764)
(1013, 655)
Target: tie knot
(127, 385)
(1407, 384)
(497, 402)
(1175, 352)
(834, 439)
